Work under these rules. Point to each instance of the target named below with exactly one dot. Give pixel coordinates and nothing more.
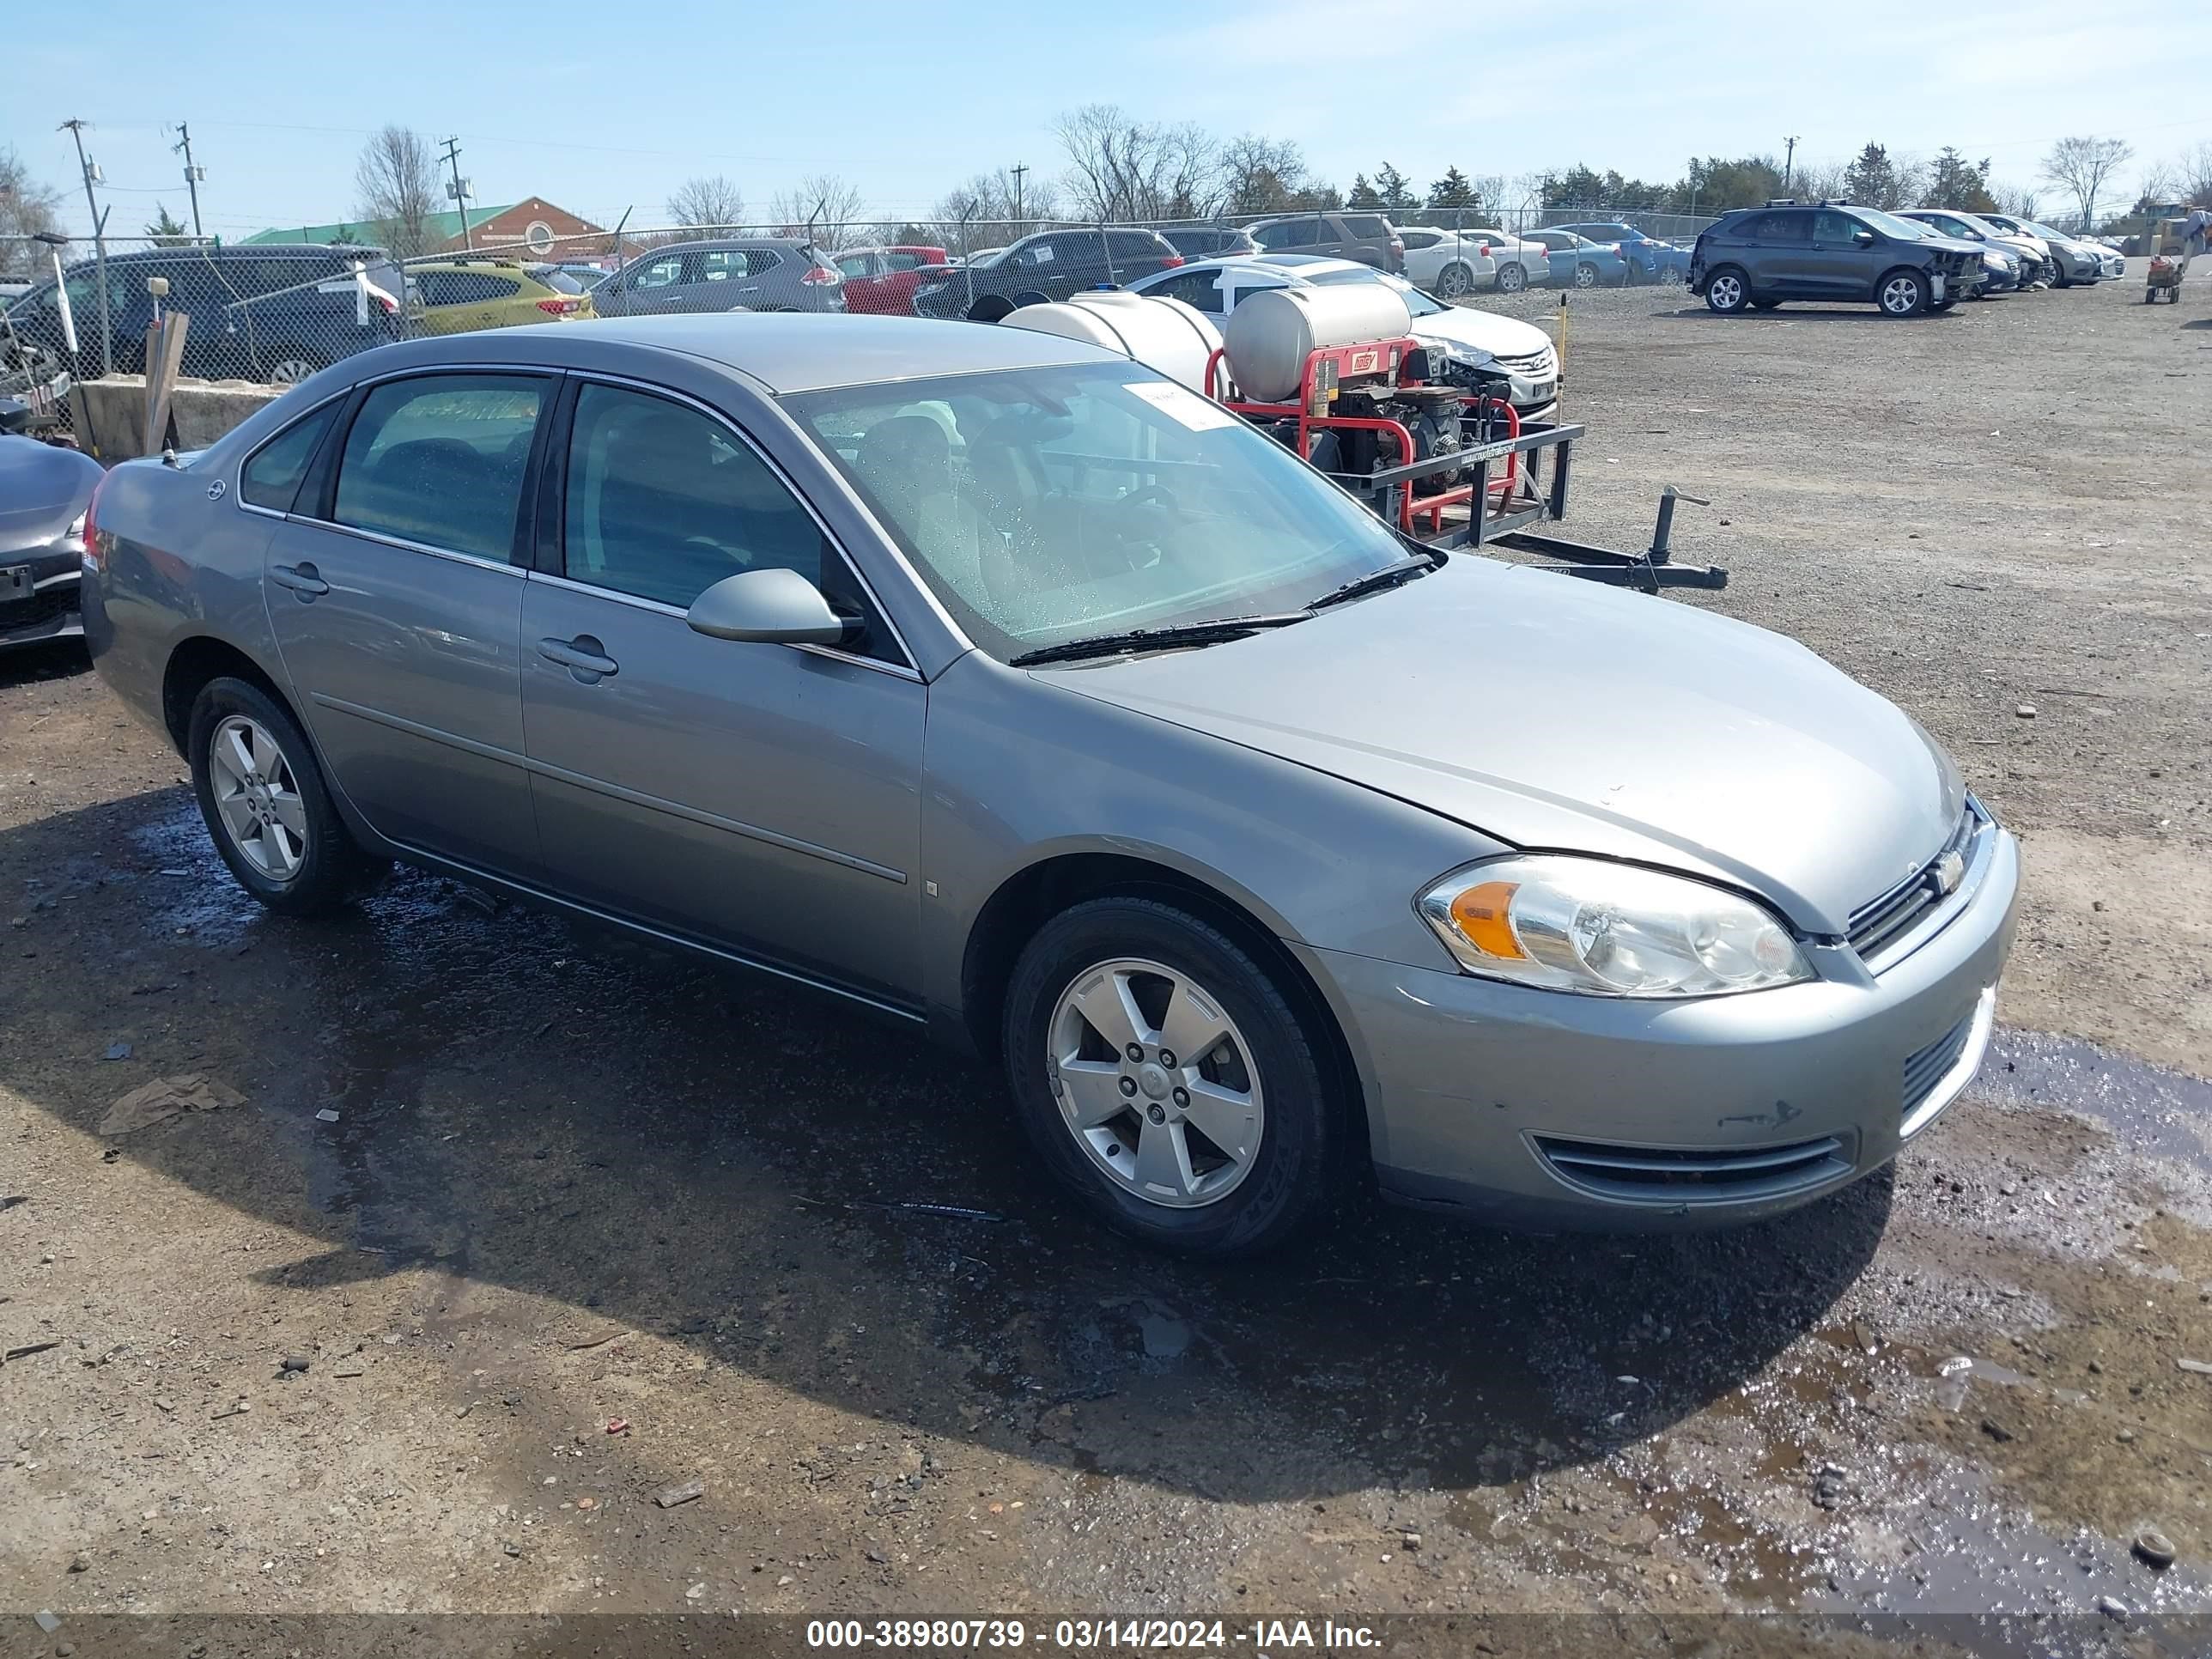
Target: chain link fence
(273, 313)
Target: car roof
(789, 352)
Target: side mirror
(774, 606)
(1863, 238)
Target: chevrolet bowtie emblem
(1950, 870)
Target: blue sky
(604, 107)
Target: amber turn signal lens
(1482, 913)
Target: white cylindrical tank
(1160, 333)
(1272, 333)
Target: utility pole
(459, 192)
(192, 174)
(1788, 161)
(76, 128)
(1019, 170)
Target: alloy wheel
(290, 371)
(1585, 275)
(1511, 279)
(1155, 1083)
(1724, 293)
(1453, 283)
(1900, 295)
(258, 798)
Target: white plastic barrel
(1272, 333)
(1153, 329)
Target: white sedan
(1480, 343)
(1457, 262)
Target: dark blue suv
(274, 314)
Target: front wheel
(1511, 279)
(1454, 281)
(265, 803)
(1902, 294)
(1727, 292)
(1166, 1077)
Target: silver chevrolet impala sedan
(1004, 687)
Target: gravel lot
(592, 1221)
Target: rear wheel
(266, 805)
(1165, 1076)
(1585, 275)
(1902, 294)
(292, 368)
(1453, 281)
(1727, 291)
(1512, 279)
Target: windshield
(1903, 230)
(2047, 233)
(1042, 505)
(1418, 303)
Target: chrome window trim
(906, 652)
(400, 542)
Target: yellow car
(456, 296)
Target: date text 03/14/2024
(1257, 1637)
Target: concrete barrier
(110, 414)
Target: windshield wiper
(1401, 570)
(1156, 639)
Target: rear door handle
(303, 579)
(583, 656)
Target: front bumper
(1530, 1108)
(43, 604)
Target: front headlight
(1603, 929)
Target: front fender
(1017, 771)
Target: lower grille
(1668, 1175)
(1926, 1067)
(42, 606)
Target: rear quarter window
(1364, 224)
(271, 478)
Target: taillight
(89, 531)
(817, 276)
(560, 307)
(1170, 262)
(1482, 250)
(1396, 247)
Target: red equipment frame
(1326, 369)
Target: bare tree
(2017, 200)
(26, 207)
(2192, 175)
(832, 204)
(988, 211)
(707, 200)
(1123, 169)
(1260, 175)
(397, 182)
(2082, 168)
(2162, 182)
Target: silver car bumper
(1531, 1108)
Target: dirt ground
(592, 1221)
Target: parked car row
(1919, 260)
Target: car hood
(1483, 330)
(1550, 712)
(1957, 245)
(42, 487)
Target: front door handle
(583, 657)
(303, 579)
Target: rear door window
(1787, 227)
(439, 460)
(1415, 240)
(1200, 289)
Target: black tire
(1764, 305)
(1305, 1138)
(1727, 292)
(1937, 307)
(1901, 293)
(333, 868)
(1512, 279)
